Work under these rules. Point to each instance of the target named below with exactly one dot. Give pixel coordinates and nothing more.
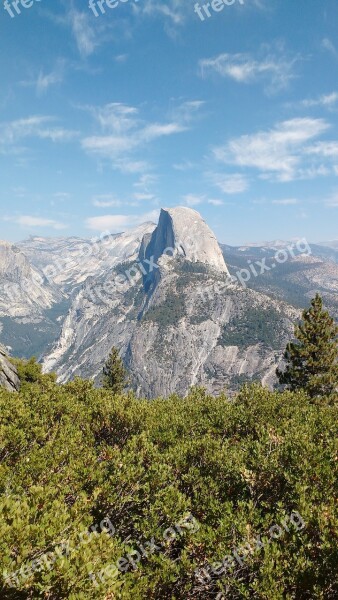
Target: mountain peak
(181, 231)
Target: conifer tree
(312, 360)
(114, 373)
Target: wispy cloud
(193, 199)
(145, 183)
(123, 132)
(106, 201)
(279, 153)
(327, 149)
(110, 201)
(215, 202)
(325, 101)
(118, 223)
(35, 126)
(143, 196)
(234, 183)
(83, 31)
(173, 10)
(330, 47)
(175, 13)
(28, 222)
(274, 70)
(44, 81)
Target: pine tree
(114, 373)
(312, 360)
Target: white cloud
(121, 58)
(110, 201)
(193, 199)
(278, 153)
(83, 31)
(325, 149)
(123, 132)
(119, 223)
(35, 126)
(45, 80)
(143, 196)
(329, 46)
(176, 12)
(105, 201)
(29, 221)
(274, 70)
(235, 183)
(215, 202)
(326, 101)
(146, 180)
(173, 10)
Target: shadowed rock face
(176, 326)
(8, 374)
(181, 231)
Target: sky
(108, 114)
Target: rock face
(23, 291)
(68, 262)
(8, 374)
(40, 276)
(161, 294)
(178, 321)
(295, 281)
(181, 232)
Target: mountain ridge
(170, 298)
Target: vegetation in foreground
(74, 457)
(107, 496)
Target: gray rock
(182, 323)
(8, 374)
(181, 232)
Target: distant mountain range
(182, 309)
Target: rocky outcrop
(161, 294)
(39, 278)
(178, 320)
(181, 232)
(68, 262)
(8, 375)
(23, 290)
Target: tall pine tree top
(114, 373)
(312, 360)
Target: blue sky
(104, 119)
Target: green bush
(72, 455)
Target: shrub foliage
(73, 455)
